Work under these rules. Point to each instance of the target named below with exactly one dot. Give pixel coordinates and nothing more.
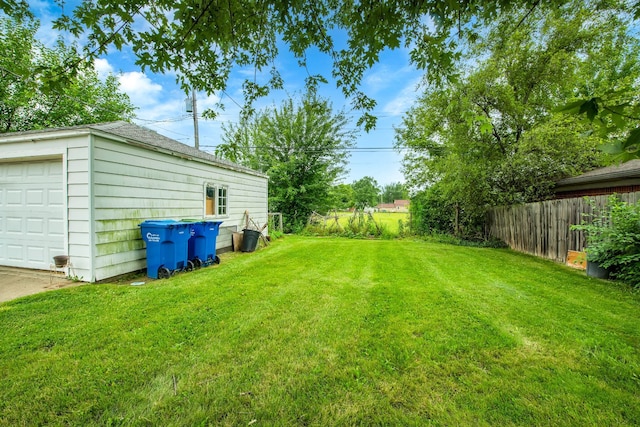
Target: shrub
(432, 212)
(275, 234)
(359, 225)
(401, 230)
(613, 238)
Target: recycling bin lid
(158, 223)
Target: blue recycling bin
(167, 247)
(202, 243)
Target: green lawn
(328, 331)
(388, 220)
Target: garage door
(31, 213)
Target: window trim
(216, 200)
(222, 201)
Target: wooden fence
(543, 228)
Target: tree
(432, 212)
(24, 105)
(492, 137)
(610, 100)
(394, 191)
(366, 192)
(342, 197)
(302, 146)
(203, 41)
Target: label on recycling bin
(153, 237)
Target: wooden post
(236, 240)
(279, 215)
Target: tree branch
(494, 132)
(535, 4)
(626, 116)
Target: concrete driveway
(19, 282)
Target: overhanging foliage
(203, 41)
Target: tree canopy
(365, 192)
(342, 197)
(394, 191)
(302, 146)
(25, 104)
(493, 136)
(202, 41)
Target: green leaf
(613, 148)
(570, 108)
(590, 108)
(633, 139)
(486, 127)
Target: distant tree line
(303, 146)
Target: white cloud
(206, 102)
(102, 67)
(168, 109)
(387, 75)
(405, 99)
(141, 89)
(380, 77)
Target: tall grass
(387, 225)
(330, 331)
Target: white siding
(132, 184)
(72, 148)
(79, 207)
(109, 187)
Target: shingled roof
(624, 177)
(135, 133)
(630, 169)
(143, 137)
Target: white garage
(83, 191)
(32, 224)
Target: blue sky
(160, 102)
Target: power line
(312, 150)
(142, 119)
(97, 107)
(174, 132)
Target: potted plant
(613, 241)
(595, 226)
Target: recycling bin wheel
(202, 243)
(190, 266)
(217, 260)
(197, 262)
(164, 273)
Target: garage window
(216, 200)
(222, 201)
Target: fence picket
(543, 228)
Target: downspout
(92, 222)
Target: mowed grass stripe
(330, 332)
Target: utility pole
(192, 107)
(196, 136)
